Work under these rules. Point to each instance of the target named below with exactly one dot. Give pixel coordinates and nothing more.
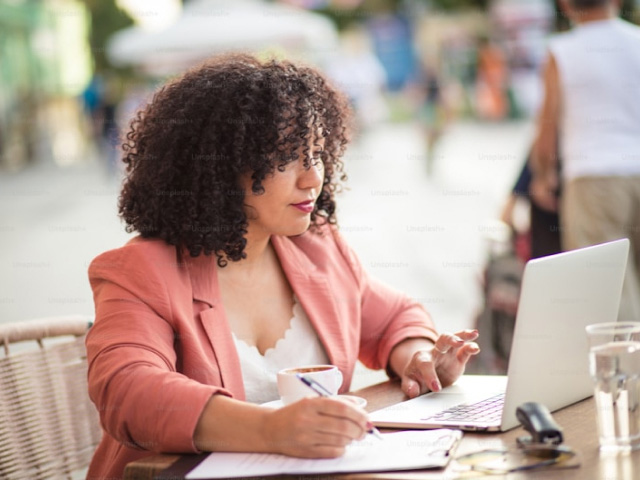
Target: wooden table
(577, 421)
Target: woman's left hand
(435, 368)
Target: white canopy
(206, 27)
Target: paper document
(409, 450)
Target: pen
(323, 392)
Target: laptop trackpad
(434, 402)
(468, 389)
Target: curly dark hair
(234, 114)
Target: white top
(599, 68)
(299, 346)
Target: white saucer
(359, 401)
(273, 404)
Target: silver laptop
(560, 295)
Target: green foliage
(343, 18)
(106, 18)
(460, 4)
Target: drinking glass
(614, 365)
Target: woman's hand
(431, 367)
(315, 427)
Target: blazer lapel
(311, 286)
(204, 284)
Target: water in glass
(615, 369)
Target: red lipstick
(306, 207)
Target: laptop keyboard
(487, 410)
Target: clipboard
(398, 451)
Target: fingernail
(435, 386)
(369, 426)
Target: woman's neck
(259, 254)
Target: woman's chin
(298, 229)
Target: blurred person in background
(232, 171)
(110, 131)
(590, 111)
(492, 101)
(433, 114)
(91, 100)
(101, 99)
(542, 236)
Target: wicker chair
(48, 426)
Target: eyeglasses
(508, 460)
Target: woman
(232, 171)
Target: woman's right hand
(315, 427)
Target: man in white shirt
(591, 112)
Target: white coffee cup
(291, 389)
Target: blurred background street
(423, 234)
(445, 94)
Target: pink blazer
(161, 345)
